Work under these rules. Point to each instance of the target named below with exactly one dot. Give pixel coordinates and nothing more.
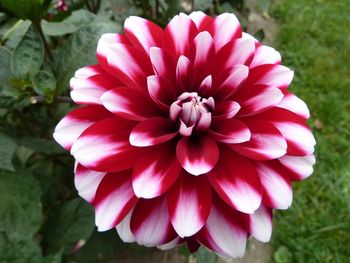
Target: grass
(314, 40)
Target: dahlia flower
(187, 134)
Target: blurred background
(43, 42)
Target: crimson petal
(105, 147)
(259, 224)
(271, 75)
(226, 109)
(266, 142)
(299, 167)
(236, 181)
(129, 103)
(224, 231)
(276, 184)
(197, 155)
(143, 33)
(294, 129)
(257, 98)
(114, 199)
(76, 122)
(180, 31)
(150, 222)
(226, 28)
(189, 203)
(151, 132)
(230, 131)
(86, 182)
(155, 172)
(161, 91)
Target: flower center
(192, 113)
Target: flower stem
(46, 45)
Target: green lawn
(314, 40)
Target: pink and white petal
(258, 98)
(114, 200)
(184, 76)
(238, 52)
(180, 31)
(299, 137)
(87, 89)
(156, 171)
(87, 95)
(259, 224)
(271, 75)
(189, 203)
(226, 28)
(277, 187)
(299, 167)
(89, 71)
(86, 182)
(123, 229)
(236, 181)
(105, 41)
(205, 88)
(150, 222)
(230, 80)
(163, 64)
(266, 142)
(204, 122)
(224, 231)
(202, 21)
(202, 51)
(129, 103)
(294, 104)
(161, 91)
(229, 131)
(152, 131)
(172, 244)
(143, 33)
(129, 64)
(76, 122)
(226, 110)
(197, 155)
(105, 146)
(265, 55)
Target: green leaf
(70, 25)
(19, 251)
(122, 9)
(80, 50)
(44, 83)
(28, 55)
(5, 71)
(41, 145)
(70, 223)
(53, 258)
(20, 206)
(23, 153)
(24, 9)
(203, 255)
(203, 4)
(14, 32)
(7, 149)
(7, 102)
(96, 250)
